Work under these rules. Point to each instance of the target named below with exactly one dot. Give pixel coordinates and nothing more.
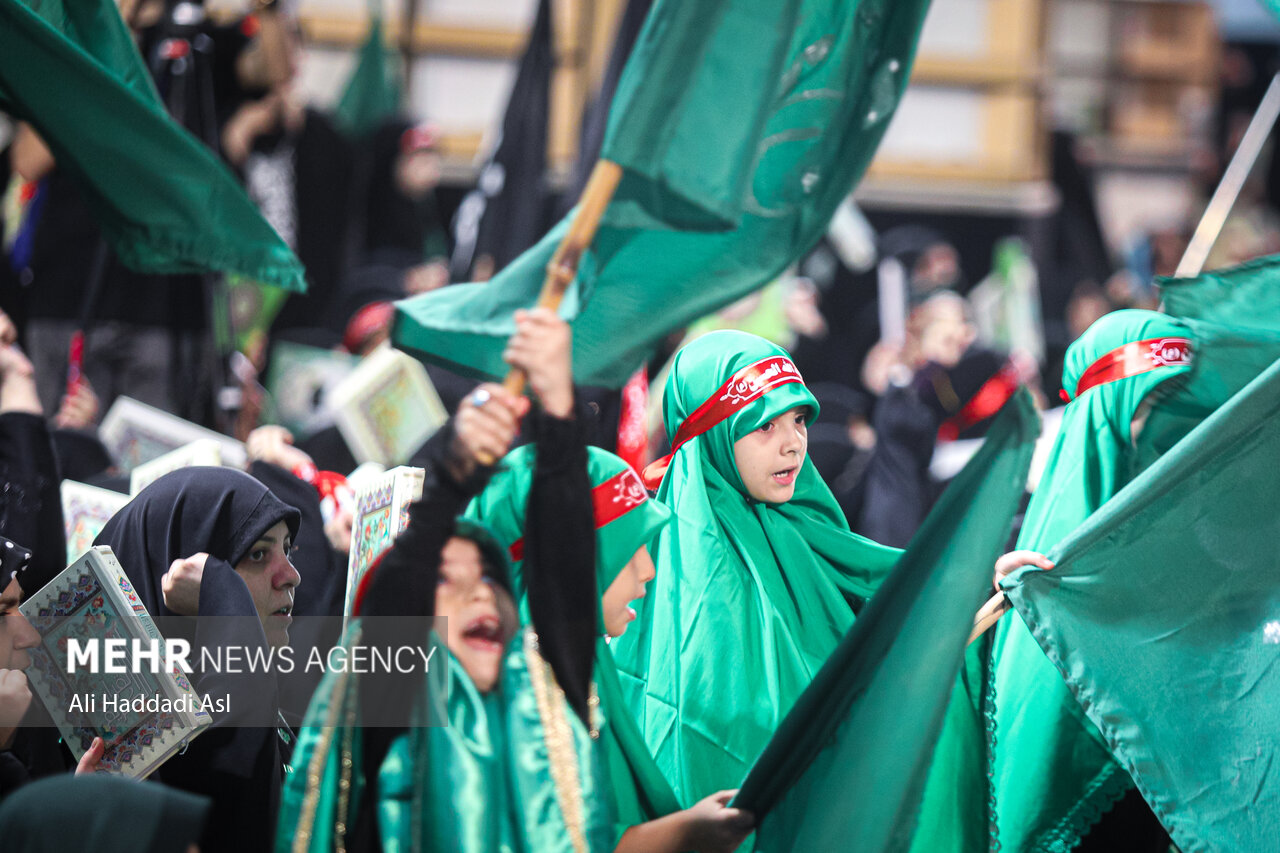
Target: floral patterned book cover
(143, 717)
(85, 511)
(382, 511)
(387, 408)
(135, 433)
(204, 451)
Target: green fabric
(481, 782)
(778, 109)
(1233, 318)
(372, 93)
(847, 768)
(165, 202)
(749, 600)
(637, 788)
(1052, 774)
(1162, 616)
(501, 508)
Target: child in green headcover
(512, 770)
(757, 579)
(626, 521)
(1052, 775)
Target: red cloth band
(1133, 359)
(743, 388)
(610, 500)
(988, 400)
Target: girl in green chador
(648, 817)
(515, 767)
(758, 576)
(1052, 776)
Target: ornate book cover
(301, 380)
(85, 511)
(382, 511)
(135, 433)
(92, 599)
(387, 408)
(202, 452)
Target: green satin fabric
(631, 780)
(482, 783)
(1052, 775)
(501, 508)
(749, 598)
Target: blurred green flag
(740, 125)
(372, 93)
(846, 769)
(166, 204)
(1163, 616)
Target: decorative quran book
(85, 511)
(142, 717)
(387, 408)
(204, 451)
(382, 511)
(135, 433)
(301, 380)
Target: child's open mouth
(483, 634)
(786, 476)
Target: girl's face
(769, 457)
(627, 587)
(476, 617)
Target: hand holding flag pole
(997, 605)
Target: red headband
(1132, 359)
(743, 388)
(988, 400)
(610, 500)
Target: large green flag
(165, 202)
(740, 126)
(1163, 617)
(846, 769)
(372, 93)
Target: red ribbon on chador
(1132, 359)
(743, 388)
(610, 500)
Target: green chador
(626, 520)
(1052, 775)
(750, 598)
(513, 770)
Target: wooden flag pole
(1224, 197)
(563, 267)
(990, 613)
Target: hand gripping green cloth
(626, 520)
(1052, 776)
(749, 598)
(1163, 616)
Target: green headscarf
(501, 507)
(1052, 775)
(638, 790)
(749, 598)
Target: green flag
(1163, 617)
(740, 125)
(165, 202)
(847, 767)
(372, 93)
